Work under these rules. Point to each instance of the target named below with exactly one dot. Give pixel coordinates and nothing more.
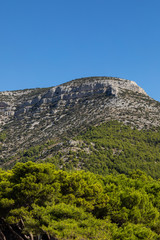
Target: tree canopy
(78, 204)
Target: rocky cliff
(15, 103)
(30, 117)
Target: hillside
(80, 161)
(37, 123)
(110, 147)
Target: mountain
(37, 117)
(108, 128)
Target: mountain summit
(30, 117)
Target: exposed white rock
(74, 90)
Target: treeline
(39, 202)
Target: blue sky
(45, 43)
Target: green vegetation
(111, 147)
(80, 205)
(116, 148)
(2, 136)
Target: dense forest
(39, 202)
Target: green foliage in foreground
(80, 205)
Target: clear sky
(47, 42)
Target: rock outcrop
(15, 103)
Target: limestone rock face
(31, 116)
(87, 87)
(15, 103)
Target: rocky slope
(30, 117)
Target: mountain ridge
(34, 116)
(90, 85)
